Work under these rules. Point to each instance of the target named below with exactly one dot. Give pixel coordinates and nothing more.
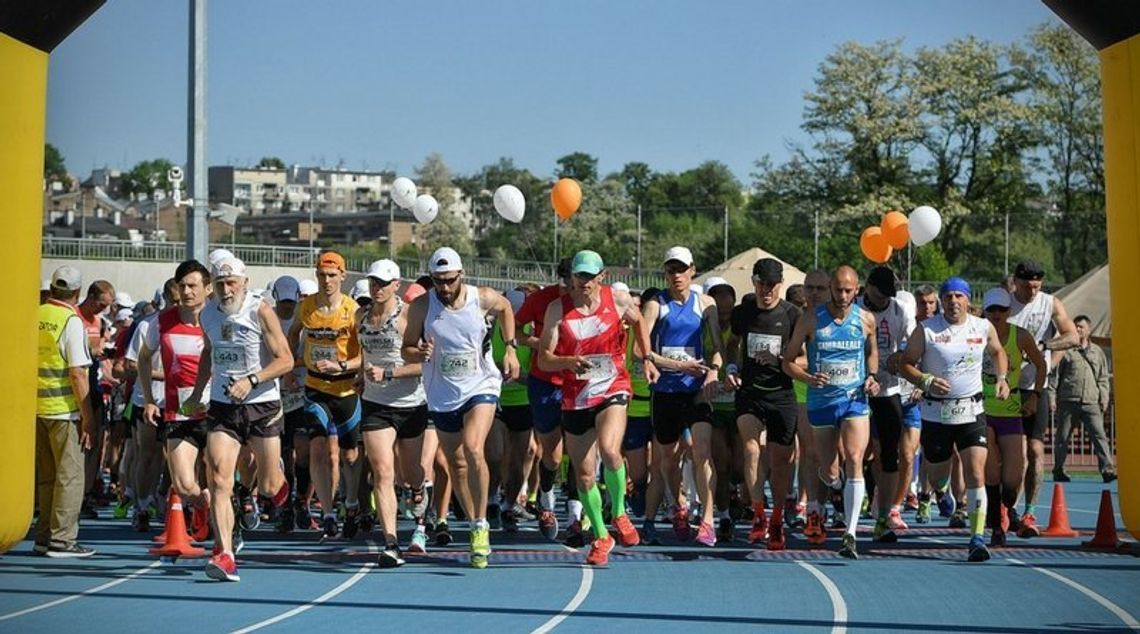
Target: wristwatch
(343, 366)
(387, 374)
(512, 342)
(253, 382)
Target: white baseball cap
(680, 254)
(229, 267)
(714, 282)
(307, 287)
(445, 260)
(384, 270)
(996, 296)
(66, 278)
(218, 255)
(123, 300)
(360, 289)
(620, 286)
(286, 289)
(124, 314)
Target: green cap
(587, 262)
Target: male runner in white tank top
(447, 332)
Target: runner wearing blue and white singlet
(843, 360)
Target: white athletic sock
(546, 500)
(853, 494)
(689, 481)
(574, 508)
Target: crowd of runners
(580, 409)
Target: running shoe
(250, 516)
(649, 533)
(978, 550)
(790, 512)
(759, 530)
(838, 521)
(895, 521)
(367, 522)
(73, 551)
(1061, 476)
(847, 548)
(1109, 477)
(997, 537)
(627, 534)
(575, 538)
(302, 515)
(922, 515)
(837, 501)
(442, 534)
(946, 504)
(706, 535)
(523, 513)
(882, 532)
(390, 557)
(419, 541)
(351, 522)
(813, 529)
(681, 523)
(958, 519)
(480, 547)
(493, 517)
(726, 529)
(800, 520)
(776, 539)
(237, 541)
(600, 551)
(911, 503)
(1028, 527)
(87, 511)
(510, 521)
(328, 525)
(142, 521)
(221, 567)
(548, 525)
(286, 519)
(121, 509)
(865, 510)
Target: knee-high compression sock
(592, 505)
(853, 493)
(303, 480)
(1009, 497)
(993, 504)
(976, 509)
(615, 484)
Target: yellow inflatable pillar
(1114, 29)
(28, 32)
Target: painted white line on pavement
(838, 605)
(583, 590)
(1121, 613)
(109, 584)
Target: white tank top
(955, 353)
(292, 400)
(1036, 317)
(461, 365)
(238, 349)
(381, 346)
(892, 327)
(157, 389)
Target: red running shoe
(759, 531)
(776, 540)
(813, 531)
(221, 567)
(600, 551)
(1028, 527)
(627, 534)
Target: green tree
(271, 162)
(448, 229)
(605, 223)
(54, 167)
(579, 166)
(147, 177)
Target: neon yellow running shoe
(480, 546)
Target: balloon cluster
(565, 197)
(896, 230)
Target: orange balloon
(896, 229)
(874, 245)
(565, 197)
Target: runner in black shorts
(765, 398)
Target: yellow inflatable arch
(30, 29)
(1114, 29)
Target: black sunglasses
(444, 281)
(380, 283)
(586, 277)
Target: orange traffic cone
(177, 540)
(161, 537)
(1059, 516)
(1105, 536)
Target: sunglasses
(997, 309)
(444, 281)
(763, 282)
(585, 277)
(380, 283)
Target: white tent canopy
(737, 270)
(1089, 295)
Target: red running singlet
(601, 338)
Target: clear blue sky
(381, 84)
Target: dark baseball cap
(1029, 270)
(883, 279)
(768, 270)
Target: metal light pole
(639, 236)
(726, 233)
(391, 220)
(1007, 242)
(197, 231)
(816, 265)
(312, 258)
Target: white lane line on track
(838, 605)
(348, 583)
(580, 596)
(61, 601)
(1122, 614)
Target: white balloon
(509, 202)
(425, 208)
(404, 192)
(925, 223)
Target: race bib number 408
(840, 372)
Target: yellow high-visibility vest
(54, 394)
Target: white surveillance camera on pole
(175, 177)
